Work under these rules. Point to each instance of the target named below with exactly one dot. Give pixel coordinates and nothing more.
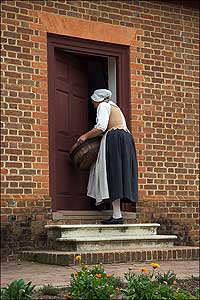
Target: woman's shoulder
(104, 105)
(113, 103)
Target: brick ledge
(68, 258)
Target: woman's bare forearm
(90, 134)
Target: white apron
(97, 184)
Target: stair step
(99, 231)
(90, 237)
(118, 238)
(95, 216)
(113, 242)
(67, 258)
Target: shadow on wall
(167, 214)
(171, 227)
(17, 236)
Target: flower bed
(190, 284)
(93, 283)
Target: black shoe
(99, 206)
(113, 221)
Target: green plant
(151, 286)
(17, 290)
(180, 294)
(169, 278)
(92, 284)
(49, 290)
(142, 287)
(197, 293)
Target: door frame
(94, 48)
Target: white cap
(101, 94)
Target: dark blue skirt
(121, 165)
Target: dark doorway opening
(97, 79)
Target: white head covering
(101, 94)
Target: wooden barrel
(83, 155)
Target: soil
(38, 295)
(190, 285)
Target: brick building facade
(163, 40)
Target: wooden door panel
(78, 108)
(62, 185)
(73, 203)
(69, 181)
(70, 110)
(62, 76)
(62, 106)
(62, 142)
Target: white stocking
(116, 209)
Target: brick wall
(176, 216)
(164, 110)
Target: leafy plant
(151, 286)
(17, 290)
(49, 290)
(142, 287)
(180, 294)
(92, 284)
(169, 278)
(197, 293)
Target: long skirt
(115, 173)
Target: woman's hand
(82, 139)
(88, 135)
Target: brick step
(66, 258)
(87, 217)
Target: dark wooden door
(70, 115)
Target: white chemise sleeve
(103, 114)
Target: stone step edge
(83, 226)
(117, 238)
(66, 258)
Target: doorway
(97, 72)
(76, 68)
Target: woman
(114, 174)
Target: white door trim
(112, 77)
